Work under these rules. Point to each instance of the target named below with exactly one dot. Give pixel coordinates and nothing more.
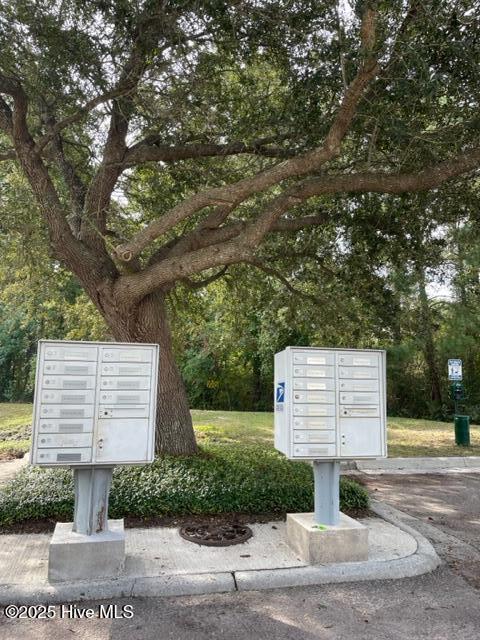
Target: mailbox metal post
(92, 486)
(326, 477)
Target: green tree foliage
(136, 106)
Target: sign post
(457, 394)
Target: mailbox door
(360, 437)
(122, 440)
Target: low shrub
(223, 478)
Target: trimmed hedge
(223, 478)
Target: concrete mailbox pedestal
(346, 541)
(77, 556)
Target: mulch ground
(48, 525)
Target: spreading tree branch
(307, 163)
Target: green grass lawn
(15, 421)
(406, 437)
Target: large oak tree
(248, 116)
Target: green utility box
(462, 430)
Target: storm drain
(216, 535)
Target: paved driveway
(438, 606)
(448, 509)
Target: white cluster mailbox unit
(94, 403)
(94, 408)
(330, 403)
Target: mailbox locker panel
(85, 388)
(314, 384)
(61, 440)
(314, 423)
(358, 373)
(66, 411)
(358, 385)
(325, 389)
(358, 359)
(313, 358)
(124, 397)
(124, 382)
(70, 352)
(66, 426)
(314, 409)
(314, 451)
(360, 412)
(324, 397)
(121, 440)
(69, 382)
(360, 437)
(313, 372)
(126, 369)
(142, 411)
(314, 436)
(70, 368)
(67, 397)
(123, 354)
(63, 456)
(359, 398)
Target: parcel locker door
(122, 440)
(360, 437)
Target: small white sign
(455, 369)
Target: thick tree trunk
(148, 322)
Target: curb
(168, 585)
(424, 560)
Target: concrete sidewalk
(160, 563)
(454, 464)
(9, 468)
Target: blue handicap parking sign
(280, 395)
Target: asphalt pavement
(440, 605)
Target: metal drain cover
(216, 535)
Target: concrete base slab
(345, 542)
(159, 563)
(75, 556)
